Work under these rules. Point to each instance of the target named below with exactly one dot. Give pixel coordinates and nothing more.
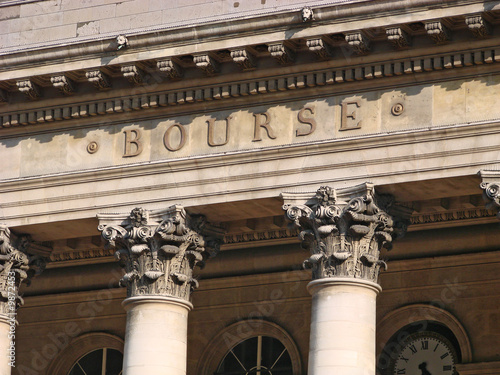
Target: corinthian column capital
(159, 249)
(491, 190)
(16, 267)
(345, 229)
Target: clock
(425, 353)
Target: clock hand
(423, 368)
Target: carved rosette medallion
(345, 236)
(16, 267)
(159, 250)
(491, 195)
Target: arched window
(260, 355)
(104, 361)
(251, 347)
(95, 353)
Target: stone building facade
(253, 187)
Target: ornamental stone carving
(29, 88)
(281, 53)
(206, 63)
(438, 32)
(243, 58)
(159, 249)
(491, 196)
(322, 49)
(478, 26)
(359, 42)
(398, 37)
(16, 267)
(345, 232)
(170, 68)
(100, 80)
(63, 83)
(133, 73)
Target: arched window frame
(81, 346)
(240, 331)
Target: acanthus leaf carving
(16, 266)
(206, 63)
(29, 88)
(478, 26)
(358, 41)
(398, 37)
(99, 79)
(243, 58)
(63, 83)
(491, 196)
(160, 250)
(438, 32)
(133, 73)
(282, 53)
(170, 68)
(345, 237)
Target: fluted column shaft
(344, 231)
(159, 250)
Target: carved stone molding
(207, 64)
(133, 73)
(491, 196)
(398, 37)
(170, 68)
(491, 190)
(359, 42)
(100, 80)
(345, 230)
(438, 32)
(478, 25)
(16, 267)
(322, 49)
(63, 83)
(29, 88)
(461, 60)
(243, 58)
(281, 53)
(159, 249)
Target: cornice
(256, 23)
(316, 82)
(334, 28)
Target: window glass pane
(92, 362)
(114, 362)
(76, 371)
(275, 359)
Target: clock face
(425, 353)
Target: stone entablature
(335, 44)
(159, 249)
(346, 229)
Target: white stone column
(344, 230)
(159, 250)
(5, 347)
(342, 339)
(156, 336)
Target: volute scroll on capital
(16, 266)
(159, 249)
(346, 230)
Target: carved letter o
(166, 137)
